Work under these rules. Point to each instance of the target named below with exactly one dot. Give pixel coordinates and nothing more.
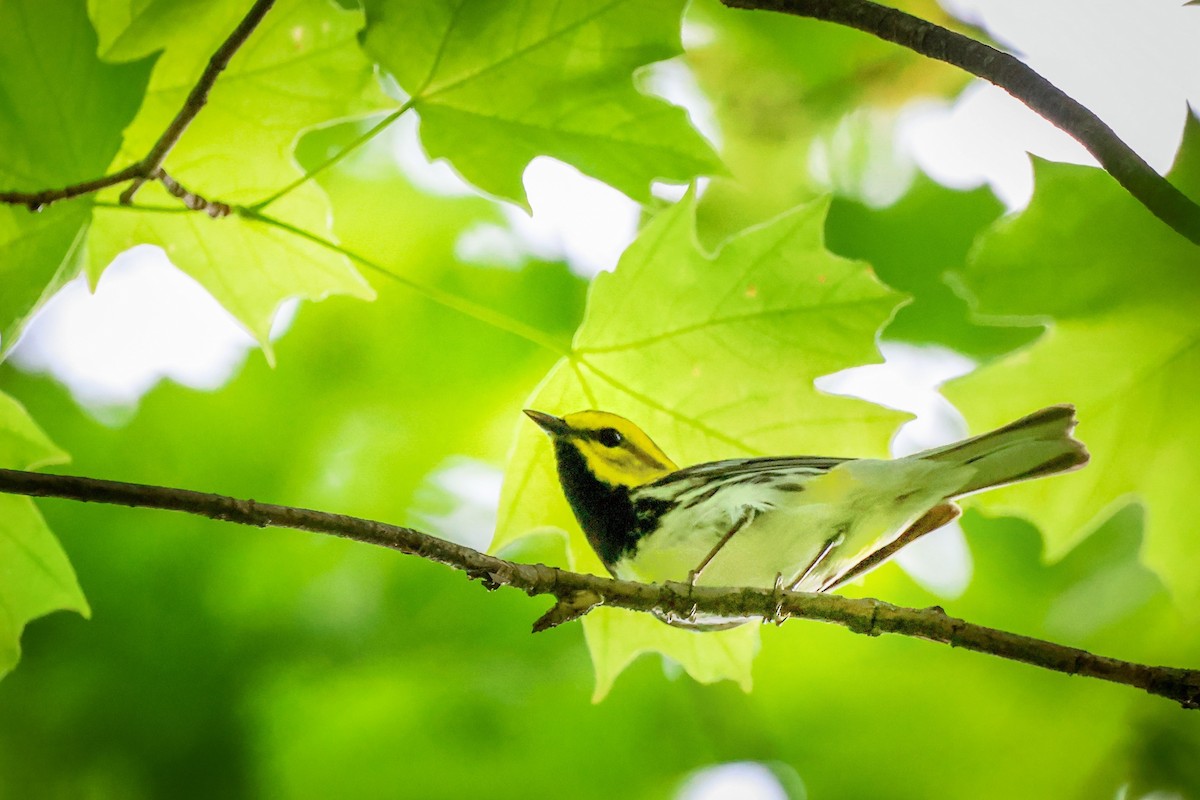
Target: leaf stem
(446, 299)
(337, 157)
(475, 311)
(577, 594)
(198, 96)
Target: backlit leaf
(50, 79)
(499, 84)
(239, 149)
(713, 355)
(35, 576)
(1120, 291)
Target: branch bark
(150, 167)
(1118, 159)
(36, 201)
(577, 594)
(190, 199)
(198, 96)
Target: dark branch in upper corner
(1129, 169)
(150, 167)
(577, 594)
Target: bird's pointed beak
(555, 426)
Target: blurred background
(231, 662)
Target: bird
(803, 523)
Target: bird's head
(614, 450)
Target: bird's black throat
(605, 512)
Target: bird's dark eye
(609, 437)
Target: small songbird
(808, 523)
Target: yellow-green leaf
(1120, 291)
(238, 149)
(249, 266)
(35, 576)
(714, 355)
(61, 115)
(499, 84)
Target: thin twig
(214, 208)
(149, 166)
(346, 150)
(1129, 169)
(577, 594)
(36, 201)
(198, 96)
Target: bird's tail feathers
(1032, 447)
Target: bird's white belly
(860, 506)
(775, 542)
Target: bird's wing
(747, 467)
(689, 517)
(702, 481)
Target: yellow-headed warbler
(809, 523)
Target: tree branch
(149, 167)
(193, 201)
(577, 594)
(36, 201)
(1129, 169)
(198, 96)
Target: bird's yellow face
(615, 450)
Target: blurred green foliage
(236, 662)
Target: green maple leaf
(301, 67)
(714, 355)
(35, 576)
(51, 83)
(498, 84)
(1120, 291)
